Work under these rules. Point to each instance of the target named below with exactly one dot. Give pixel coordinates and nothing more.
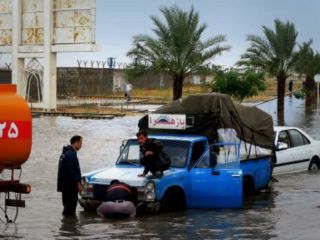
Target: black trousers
(69, 201)
(151, 163)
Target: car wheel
(314, 165)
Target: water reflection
(197, 224)
(295, 114)
(69, 227)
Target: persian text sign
(15, 130)
(167, 121)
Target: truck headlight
(150, 186)
(87, 187)
(150, 196)
(150, 192)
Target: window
(177, 151)
(134, 152)
(297, 138)
(223, 156)
(197, 151)
(205, 161)
(284, 138)
(130, 153)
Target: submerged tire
(314, 165)
(173, 200)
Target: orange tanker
(15, 145)
(15, 128)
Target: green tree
(275, 54)
(177, 48)
(308, 64)
(239, 85)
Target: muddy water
(290, 210)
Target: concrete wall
(75, 81)
(161, 80)
(84, 81)
(152, 81)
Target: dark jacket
(69, 172)
(121, 191)
(156, 147)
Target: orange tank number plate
(15, 129)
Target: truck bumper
(142, 207)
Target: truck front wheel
(173, 200)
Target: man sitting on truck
(154, 159)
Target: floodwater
(290, 210)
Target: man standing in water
(69, 176)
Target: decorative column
(50, 60)
(17, 62)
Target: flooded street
(290, 210)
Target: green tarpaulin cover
(213, 111)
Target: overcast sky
(117, 21)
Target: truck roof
(177, 137)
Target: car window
(197, 151)
(297, 138)
(306, 140)
(221, 156)
(284, 138)
(134, 152)
(177, 151)
(205, 161)
(130, 152)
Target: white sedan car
(295, 151)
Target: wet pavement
(289, 210)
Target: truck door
(216, 179)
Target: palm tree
(308, 64)
(177, 48)
(274, 54)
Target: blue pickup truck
(216, 150)
(195, 179)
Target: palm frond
(177, 46)
(274, 52)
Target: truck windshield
(177, 150)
